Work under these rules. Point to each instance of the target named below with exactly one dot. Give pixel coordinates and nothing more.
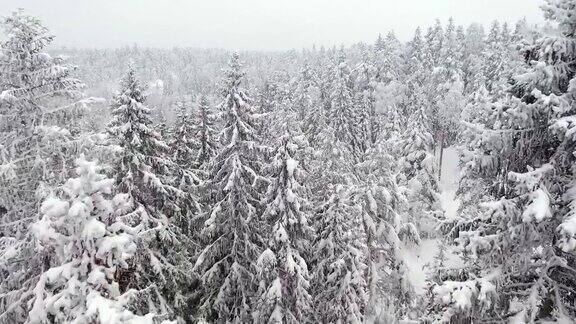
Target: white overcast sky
(255, 24)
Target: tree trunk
(441, 156)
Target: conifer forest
(426, 180)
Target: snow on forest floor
(419, 256)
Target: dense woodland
(142, 185)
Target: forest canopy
(142, 185)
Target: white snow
(567, 229)
(460, 295)
(539, 207)
(449, 182)
(291, 165)
(418, 256)
(94, 229)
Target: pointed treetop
(130, 85)
(233, 74)
(26, 29)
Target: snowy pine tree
(90, 246)
(39, 102)
(32, 132)
(183, 148)
(204, 132)
(387, 229)
(284, 278)
(343, 115)
(339, 262)
(365, 101)
(233, 229)
(516, 241)
(418, 172)
(161, 265)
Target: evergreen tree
(90, 247)
(162, 124)
(339, 282)
(365, 88)
(284, 279)
(451, 51)
(388, 58)
(302, 98)
(39, 104)
(387, 229)
(183, 149)
(32, 132)
(161, 265)
(184, 144)
(233, 230)
(343, 115)
(331, 163)
(517, 242)
(205, 133)
(415, 58)
(496, 58)
(418, 171)
(434, 41)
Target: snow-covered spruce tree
(161, 124)
(387, 55)
(343, 116)
(328, 155)
(316, 119)
(331, 163)
(339, 283)
(418, 170)
(387, 230)
(473, 73)
(434, 40)
(483, 153)
(303, 98)
(493, 62)
(451, 54)
(414, 65)
(30, 129)
(496, 60)
(521, 238)
(459, 301)
(415, 51)
(183, 148)
(89, 247)
(505, 253)
(184, 144)
(283, 271)
(233, 229)
(274, 104)
(38, 96)
(444, 88)
(391, 105)
(274, 94)
(448, 107)
(365, 101)
(160, 267)
(417, 84)
(204, 132)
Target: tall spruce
(233, 229)
(40, 102)
(517, 242)
(90, 246)
(340, 288)
(204, 132)
(284, 278)
(160, 266)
